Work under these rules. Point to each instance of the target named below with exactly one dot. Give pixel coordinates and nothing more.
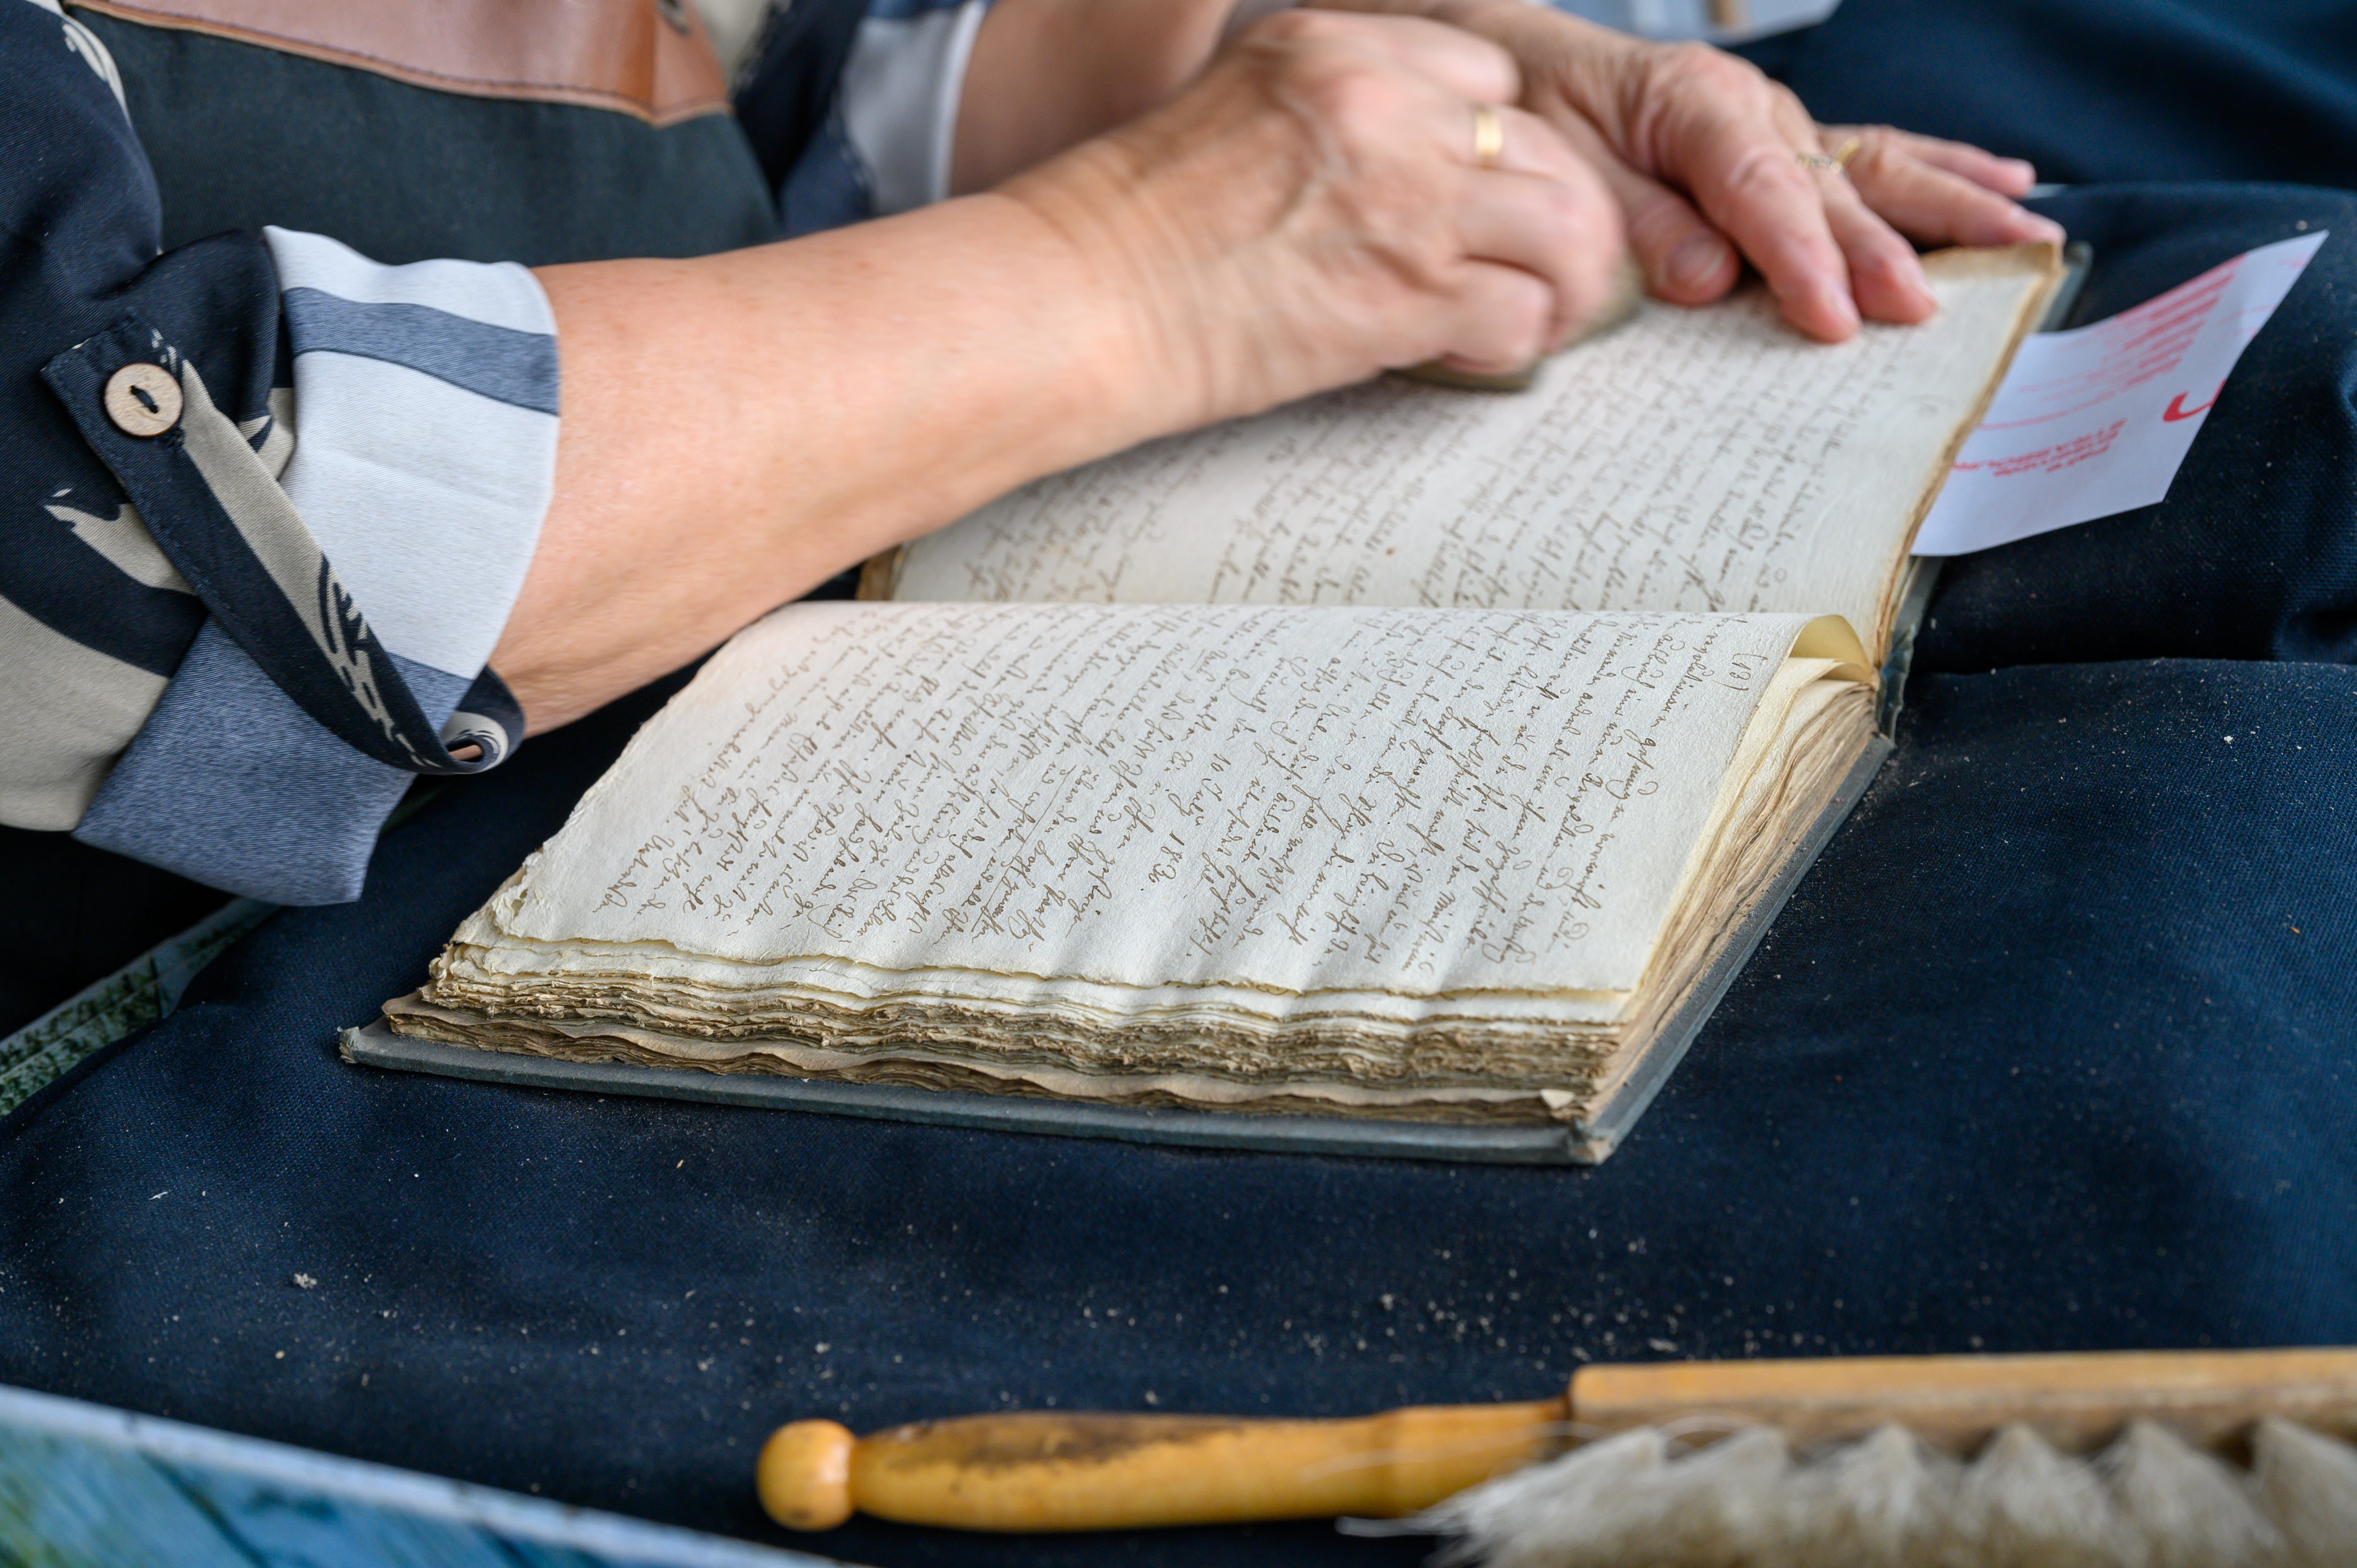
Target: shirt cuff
(423, 422)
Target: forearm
(738, 428)
(1046, 75)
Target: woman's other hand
(1711, 163)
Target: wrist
(1115, 280)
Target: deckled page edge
(1624, 1102)
(879, 574)
(2026, 315)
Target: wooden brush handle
(1038, 1471)
(2076, 1401)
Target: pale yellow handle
(1039, 1471)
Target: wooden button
(142, 400)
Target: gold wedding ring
(1834, 162)
(1488, 137)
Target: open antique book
(1404, 756)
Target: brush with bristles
(2135, 1459)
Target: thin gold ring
(1488, 137)
(1834, 162)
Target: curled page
(1447, 863)
(1279, 801)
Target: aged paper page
(1695, 461)
(1283, 804)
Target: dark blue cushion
(2052, 1050)
(2099, 89)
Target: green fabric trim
(107, 1009)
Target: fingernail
(1697, 261)
(1922, 285)
(2021, 168)
(2032, 227)
(1837, 306)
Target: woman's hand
(1710, 161)
(1319, 206)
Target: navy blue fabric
(55, 947)
(79, 240)
(828, 185)
(240, 135)
(2253, 553)
(80, 223)
(2052, 1050)
(788, 89)
(2098, 90)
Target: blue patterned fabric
(428, 413)
(225, 139)
(392, 547)
(81, 1484)
(208, 767)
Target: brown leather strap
(646, 57)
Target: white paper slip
(2096, 420)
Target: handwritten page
(2097, 420)
(1694, 461)
(1287, 803)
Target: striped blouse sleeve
(270, 505)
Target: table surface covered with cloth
(2055, 1048)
